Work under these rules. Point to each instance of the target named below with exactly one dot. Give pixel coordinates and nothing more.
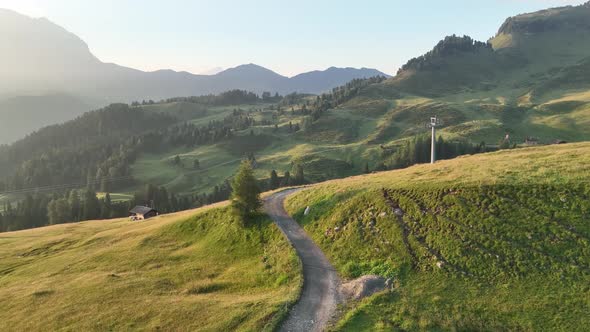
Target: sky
(286, 36)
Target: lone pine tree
(245, 197)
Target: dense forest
(417, 151)
(75, 205)
(100, 128)
(100, 156)
(232, 97)
(449, 46)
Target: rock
(440, 264)
(382, 214)
(398, 212)
(336, 229)
(363, 287)
(306, 212)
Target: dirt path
(320, 293)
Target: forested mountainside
(508, 92)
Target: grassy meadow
(361, 131)
(193, 270)
(498, 241)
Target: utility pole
(434, 122)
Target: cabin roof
(141, 209)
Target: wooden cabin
(142, 212)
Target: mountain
(332, 77)
(41, 57)
(530, 80)
(24, 114)
(481, 91)
(527, 49)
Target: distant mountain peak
(40, 56)
(249, 69)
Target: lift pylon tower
(434, 122)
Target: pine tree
(106, 207)
(299, 178)
(91, 208)
(274, 180)
(74, 203)
(367, 170)
(286, 179)
(245, 197)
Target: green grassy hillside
(528, 81)
(194, 270)
(333, 146)
(499, 241)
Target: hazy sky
(288, 37)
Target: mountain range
(40, 58)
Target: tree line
(37, 210)
(340, 95)
(231, 97)
(417, 151)
(448, 46)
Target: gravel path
(320, 294)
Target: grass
(499, 241)
(524, 87)
(118, 197)
(194, 270)
(352, 136)
(324, 147)
(508, 95)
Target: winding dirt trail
(320, 294)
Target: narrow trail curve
(320, 294)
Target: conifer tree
(274, 180)
(298, 177)
(245, 197)
(287, 179)
(91, 208)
